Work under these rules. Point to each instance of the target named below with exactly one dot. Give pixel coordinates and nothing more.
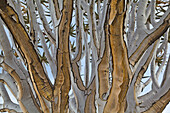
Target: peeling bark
(116, 40)
(90, 101)
(26, 48)
(62, 82)
(57, 9)
(160, 105)
(116, 100)
(149, 41)
(103, 69)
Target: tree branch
(149, 41)
(27, 49)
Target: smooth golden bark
(62, 82)
(103, 69)
(116, 100)
(41, 83)
(113, 11)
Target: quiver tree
(87, 56)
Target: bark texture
(116, 99)
(62, 82)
